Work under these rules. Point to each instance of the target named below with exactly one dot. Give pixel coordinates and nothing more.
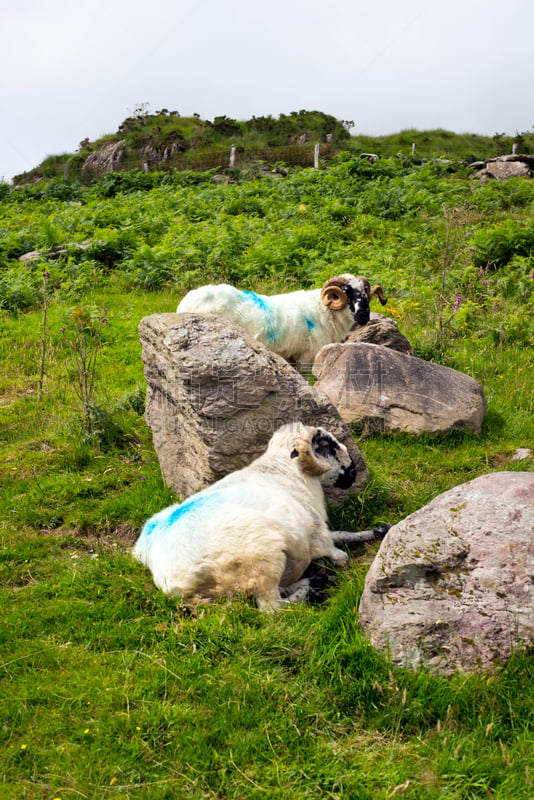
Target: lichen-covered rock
(393, 392)
(216, 396)
(452, 585)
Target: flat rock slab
(452, 585)
(394, 392)
(503, 167)
(502, 170)
(215, 397)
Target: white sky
(72, 70)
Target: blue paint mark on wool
(149, 527)
(195, 503)
(271, 333)
(258, 300)
(310, 324)
(199, 502)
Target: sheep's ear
(380, 293)
(332, 294)
(308, 461)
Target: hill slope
(164, 139)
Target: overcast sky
(73, 70)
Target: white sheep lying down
(256, 530)
(296, 325)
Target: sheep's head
(354, 292)
(320, 454)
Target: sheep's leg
(321, 571)
(321, 574)
(269, 572)
(351, 539)
(270, 602)
(298, 592)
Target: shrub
(502, 195)
(151, 268)
(102, 430)
(130, 181)
(62, 189)
(19, 290)
(244, 204)
(17, 243)
(111, 247)
(495, 247)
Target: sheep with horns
(296, 325)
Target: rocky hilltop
(145, 140)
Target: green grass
(438, 143)
(110, 689)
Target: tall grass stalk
(451, 241)
(83, 335)
(44, 332)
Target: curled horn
(380, 293)
(372, 291)
(332, 295)
(308, 461)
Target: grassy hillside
(192, 138)
(111, 689)
(467, 147)
(164, 139)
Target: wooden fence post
(414, 148)
(65, 171)
(232, 156)
(316, 151)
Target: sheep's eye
(294, 453)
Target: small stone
(521, 454)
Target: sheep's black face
(358, 302)
(326, 447)
(346, 477)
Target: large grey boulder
(452, 585)
(393, 392)
(215, 397)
